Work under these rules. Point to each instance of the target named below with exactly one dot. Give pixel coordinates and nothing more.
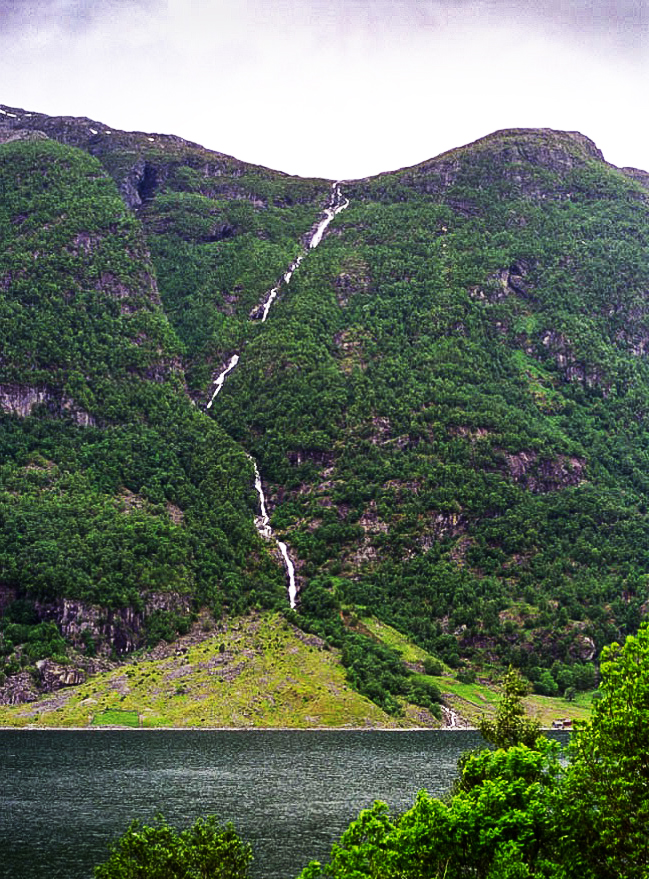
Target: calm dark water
(65, 795)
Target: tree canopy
(205, 850)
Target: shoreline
(251, 729)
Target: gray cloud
(404, 79)
(72, 16)
(623, 23)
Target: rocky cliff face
(111, 631)
(542, 475)
(22, 400)
(98, 638)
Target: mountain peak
(521, 139)
(544, 147)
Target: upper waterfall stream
(220, 380)
(337, 203)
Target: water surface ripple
(64, 795)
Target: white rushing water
(294, 265)
(337, 203)
(220, 380)
(270, 298)
(451, 718)
(290, 570)
(272, 294)
(262, 523)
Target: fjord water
(64, 795)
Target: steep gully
(337, 203)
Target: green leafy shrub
(159, 851)
(433, 667)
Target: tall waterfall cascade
(337, 203)
(262, 524)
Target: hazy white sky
(336, 88)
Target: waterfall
(272, 294)
(270, 298)
(290, 570)
(262, 524)
(452, 719)
(337, 203)
(219, 382)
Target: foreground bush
(606, 795)
(206, 849)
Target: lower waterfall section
(262, 524)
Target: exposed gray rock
(141, 182)
(641, 177)
(21, 134)
(18, 688)
(583, 648)
(299, 456)
(120, 630)
(541, 475)
(21, 399)
(573, 369)
(440, 526)
(53, 675)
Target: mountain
(441, 380)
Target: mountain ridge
(17, 118)
(445, 402)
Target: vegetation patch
(116, 717)
(253, 671)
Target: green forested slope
(116, 491)
(451, 402)
(446, 404)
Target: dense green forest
(115, 491)
(447, 404)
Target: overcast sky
(336, 88)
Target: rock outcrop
(541, 474)
(21, 400)
(112, 631)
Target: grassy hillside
(251, 671)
